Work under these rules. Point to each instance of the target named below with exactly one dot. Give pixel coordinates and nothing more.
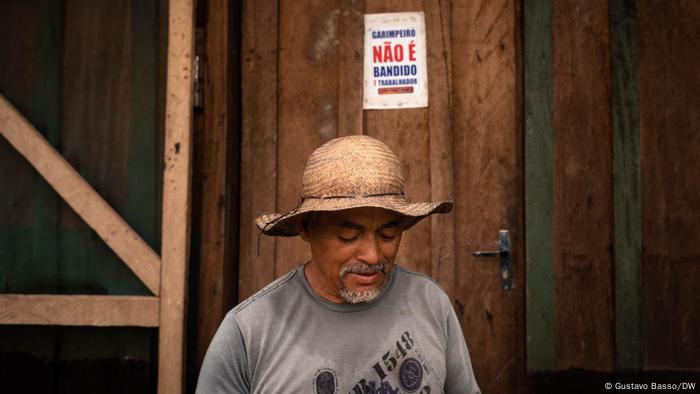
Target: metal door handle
(504, 259)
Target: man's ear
(302, 228)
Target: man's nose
(369, 250)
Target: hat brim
(282, 224)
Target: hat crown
(356, 165)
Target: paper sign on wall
(395, 74)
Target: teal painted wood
(15, 172)
(143, 204)
(28, 204)
(627, 188)
(95, 134)
(89, 266)
(45, 116)
(42, 248)
(93, 267)
(30, 73)
(539, 131)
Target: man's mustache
(363, 268)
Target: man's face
(352, 251)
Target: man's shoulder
(420, 280)
(422, 294)
(269, 294)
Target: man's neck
(314, 276)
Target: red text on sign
(387, 52)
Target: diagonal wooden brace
(78, 193)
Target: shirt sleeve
(460, 376)
(225, 366)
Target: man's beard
(354, 297)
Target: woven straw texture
(351, 172)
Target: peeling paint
(326, 132)
(326, 37)
(327, 121)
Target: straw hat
(351, 172)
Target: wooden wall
(611, 95)
(90, 85)
(88, 75)
(582, 192)
(302, 86)
(567, 122)
(669, 98)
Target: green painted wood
(96, 135)
(28, 204)
(143, 204)
(45, 115)
(128, 87)
(15, 254)
(627, 187)
(44, 246)
(88, 266)
(539, 226)
(16, 182)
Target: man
(349, 320)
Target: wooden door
(488, 187)
(302, 85)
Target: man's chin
(357, 297)
(356, 288)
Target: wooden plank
(176, 196)
(29, 73)
(30, 78)
(308, 99)
(97, 137)
(669, 107)
(407, 132)
(79, 310)
(488, 187)
(442, 245)
(259, 143)
(143, 201)
(212, 173)
(46, 109)
(539, 225)
(80, 196)
(350, 66)
(583, 199)
(628, 221)
(94, 139)
(18, 19)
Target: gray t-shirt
(287, 339)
